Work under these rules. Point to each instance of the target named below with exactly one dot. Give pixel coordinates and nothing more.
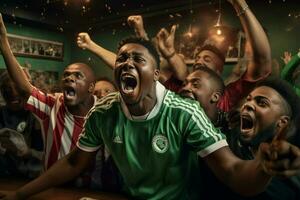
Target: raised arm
(84, 41)
(258, 48)
(64, 170)
(136, 21)
(13, 67)
(166, 47)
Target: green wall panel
(41, 63)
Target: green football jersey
(157, 156)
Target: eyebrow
(132, 53)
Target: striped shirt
(60, 128)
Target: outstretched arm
(166, 47)
(258, 50)
(136, 21)
(13, 67)
(244, 177)
(84, 41)
(64, 170)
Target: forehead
(199, 75)
(268, 93)
(207, 53)
(134, 48)
(77, 68)
(103, 84)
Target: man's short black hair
(146, 43)
(286, 91)
(214, 49)
(214, 76)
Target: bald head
(86, 69)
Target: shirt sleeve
(202, 136)
(290, 67)
(40, 104)
(90, 139)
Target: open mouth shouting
(69, 93)
(128, 84)
(247, 125)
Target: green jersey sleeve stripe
(194, 109)
(197, 115)
(86, 148)
(215, 146)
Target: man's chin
(129, 100)
(69, 102)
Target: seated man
(20, 137)
(154, 137)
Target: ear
(215, 97)
(91, 87)
(283, 121)
(156, 74)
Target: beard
(265, 135)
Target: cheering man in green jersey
(154, 137)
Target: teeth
(126, 88)
(128, 83)
(71, 93)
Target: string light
(218, 24)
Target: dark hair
(146, 43)
(218, 81)
(214, 49)
(104, 78)
(286, 91)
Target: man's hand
(287, 56)
(136, 21)
(166, 42)
(280, 158)
(84, 41)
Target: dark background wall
(281, 19)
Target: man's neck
(145, 105)
(82, 108)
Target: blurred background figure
(20, 137)
(103, 87)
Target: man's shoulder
(107, 102)
(181, 104)
(173, 98)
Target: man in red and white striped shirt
(62, 114)
(60, 127)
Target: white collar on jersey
(160, 95)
